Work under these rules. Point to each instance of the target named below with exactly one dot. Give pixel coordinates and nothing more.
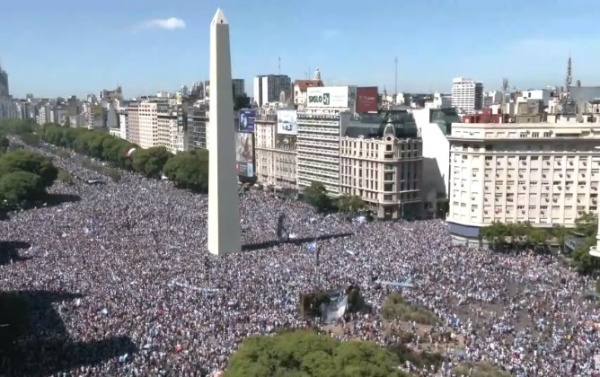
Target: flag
(130, 152)
(317, 255)
(311, 247)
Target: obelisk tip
(219, 18)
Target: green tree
(308, 354)
(241, 102)
(587, 224)
(150, 162)
(189, 170)
(4, 143)
(30, 139)
(350, 203)
(29, 162)
(20, 186)
(316, 195)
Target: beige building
(544, 173)
(382, 163)
(154, 122)
(133, 123)
(275, 153)
(148, 124)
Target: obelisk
(224, 232)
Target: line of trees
(316, 195)
(24, 177)
(187, 169)
(508, 235)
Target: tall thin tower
(504, 89)
(224, 232)
(396, 76)
(569, 78)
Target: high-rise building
(381, 162)
(275, 147)
(467, 95)
(268, 88)
(239, 87)
(133, 122)
(4, 93)
(543, 173)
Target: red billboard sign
(366, 99)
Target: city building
(268, 88)
(381, 162)
(111, 95)
(320, 126)
(148, 124)
(545, 174)
(275, 148)
(467, 95)
(133, 122)
(435, 125)
(196, 123)
(301, 86)
(7, 107)
(239, 87)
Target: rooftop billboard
(331, 97)
(287, 122)
(244, 154)
(367, 99)
(247, 117)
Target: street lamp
(595, 250)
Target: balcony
(317, 151)
(304, 171)
(330, 145)
(321, 130)
(319, 137)
(265, 118)
(310, 164)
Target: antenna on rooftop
(396, 75)
(504, 88)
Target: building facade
(381, 162)
(239, 87)
(318, 148)
(467, 95)
(268, 88)
(133, 122)
(545, 173)
(275, 152)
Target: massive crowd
(135, 254)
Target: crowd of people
(134, 256)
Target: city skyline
(147, 46)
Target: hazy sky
(53, 48)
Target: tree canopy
(150, 162)
(316, 195)
(189, 170)
(350, 203)
(24, 178)
(305, 353)
(500, 234)
(186, 169)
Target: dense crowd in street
(135, 252)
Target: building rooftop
(304, 84)
(373, 125)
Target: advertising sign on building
(244, 154)
(331, 97)
(247, 120)
(366, 99)
(287, 122)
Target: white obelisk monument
(224, 232)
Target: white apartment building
(467, 95)
(268, 88)
(435, 127)
(123, 120)
(148, 124)
(274, 151)
(543, 173)
(382, 163)
(318, 147)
